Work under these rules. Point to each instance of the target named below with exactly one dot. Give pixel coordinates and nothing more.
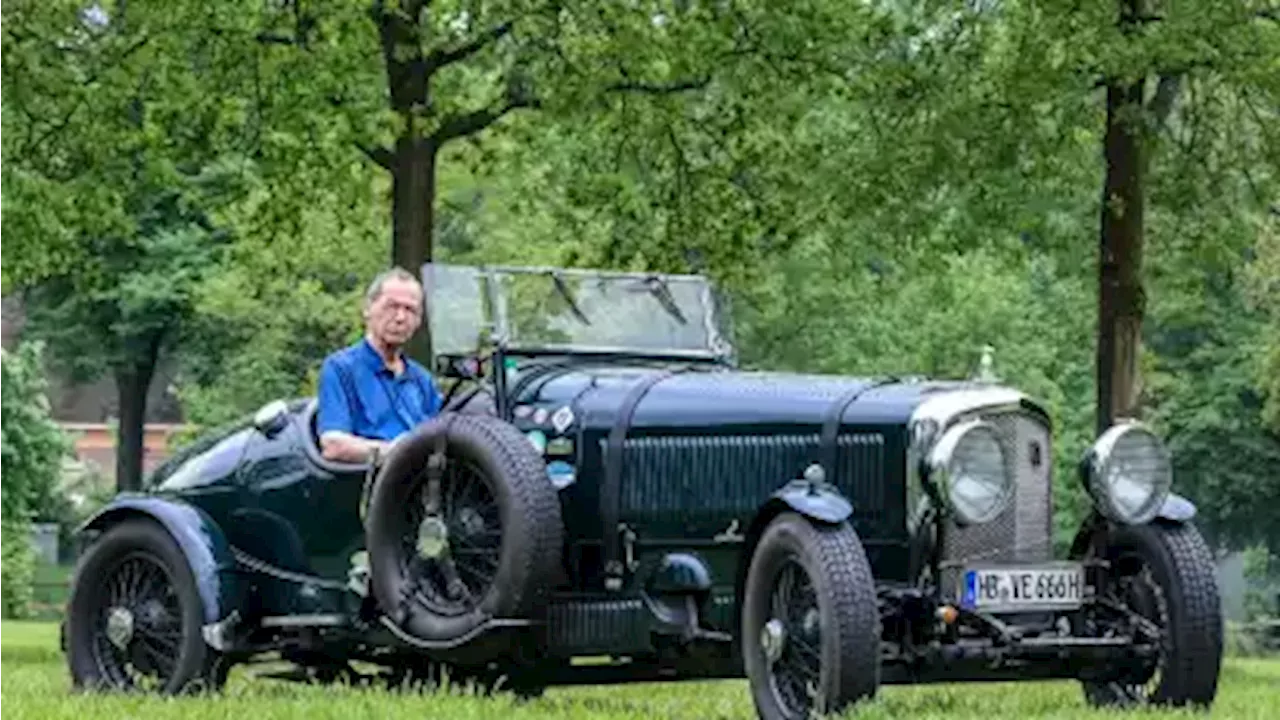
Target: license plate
(1011, 588)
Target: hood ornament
(986, 366)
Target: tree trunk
(132, 385)
(1121, 301)
(413, 201)
(413, 178)
(402, 33)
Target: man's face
(396, 314)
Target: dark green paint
(200, 539)
(707, 451)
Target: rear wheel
(134, 616)
(1164, 574)
(810, 623)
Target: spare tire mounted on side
(454, 544)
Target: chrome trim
(217, 635)
(940, 456)
(315, 620)
(931, 419)
(1099, 457)
(944, 405)
(947, 406)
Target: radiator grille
(1023, 532)
(729, 474)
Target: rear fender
(201, 540)
(819, 502)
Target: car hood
(705, 398)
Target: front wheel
(810, 623)
(1165, 574)
(134, 616)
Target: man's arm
(334, 424)
(341, 446)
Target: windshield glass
(548, 308)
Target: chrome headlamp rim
(1098, 463)
(939, 471)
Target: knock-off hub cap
(773, 636)
(120, 627)
(433, 538)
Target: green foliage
(32, 448)
(106, 107)
(881, 187)
(280, 301)
(121, 307)
(1203, 395)
(1262, 574)
(816, 311)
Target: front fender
(201, 540)
(815, 501)
(1176, 509)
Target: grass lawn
(35, 686)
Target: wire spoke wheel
(137, 630)
(453, 555)
(455, 545)
(1161, 592)
(795, 664)
(810, 624)
(1141, 594)
(134, 616)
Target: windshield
(551, 308)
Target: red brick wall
(95, 444)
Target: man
(370, 393)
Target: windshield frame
(497, 324)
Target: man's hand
(337, 446)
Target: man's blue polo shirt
(360, 395)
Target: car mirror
(271, 418)
(459, 367)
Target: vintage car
(607, 498)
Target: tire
(503, 539)
(136, 573)
(799, 561)
(1167, 574)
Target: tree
(117, 148)
(277, 304)
(122, 313)
(32, 448)
(409, 80)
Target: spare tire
(490, 549)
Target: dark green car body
(668, 466)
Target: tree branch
(379, 155)
(1161, 104)
(457, 126)
(440, 57)
(52, 130)
(670, 88)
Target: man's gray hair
(393, 273)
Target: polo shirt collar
(373, 359)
